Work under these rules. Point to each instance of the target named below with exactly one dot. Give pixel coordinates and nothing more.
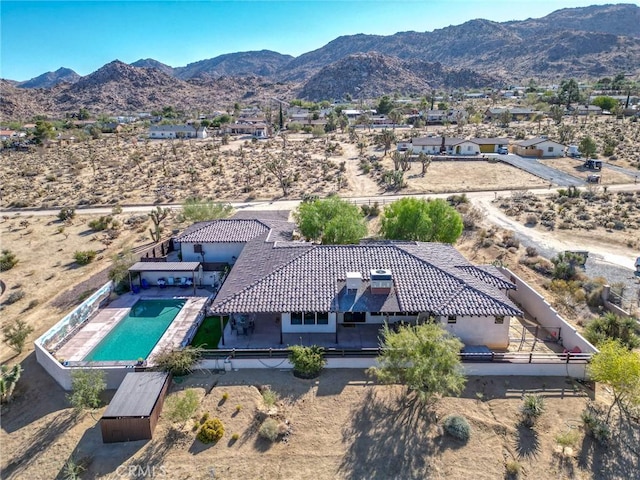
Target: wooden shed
(135, 408)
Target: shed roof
(164, 267)
(535, 141)
(137, 395)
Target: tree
(279, 167)
(424, 357)
(16, 333)
(538, 117)
(505, 118)
(44, 131)
(198, 210)
(396, 117)
(587, 147)
(421, 220)
(385, 105)
(619, 368)
(121, 264)
(86, 387)
(612, 327)
(8, 379)
(157, 216)
(332, 221)
(386, 138)
(605, 103)
(557, 113)
(569, 92)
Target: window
(309, 318)
(452, 319)
(197, 248)
(296, 318)
(550, 149)
(499, 320)
(323, 318)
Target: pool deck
(92, 333)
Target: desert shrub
(73, 469)
(8, 380)
(307, 362)
(269, 430)
(225, 397)
(567, 439)
(613, 327)
(458, 427)
(13, 297)
(86, 388)
(211, 431)
(178, 362)
(15, 334)
(84, 257)
(100, 224)
(67, 213)
(199, 210)
(532, 407)
(32, 304)
(8, 260)
(511, 241)
(269, 397)
(513, 469)
(471, 218)
(532, 219)
(596, 427)
(532, 252)
(181, 408)
(235, 436)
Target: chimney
(381, 281)
(354, 280)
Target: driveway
(532, 166)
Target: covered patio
(164, 274)
(263, 330)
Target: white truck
(573, 152)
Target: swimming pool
(136, 334)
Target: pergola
(168, 268)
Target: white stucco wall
(479, 331)
(467, 148)
(558, 150)
(213, 252)
(288, 328)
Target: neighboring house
(584, 109)
(256, 130)
(443, 116)
(539, 147)
(517, 114)
(313, 288)
(7, 134)
(177, 131)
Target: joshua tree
(157, 216)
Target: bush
(16, 333)
(13, 297)
(595, 427)
(532, 252)
(613, 327)
(211, 431)
(100, 224)
(178, 362)
(86, 388)
(67, 213)
(269, 397)
(513, 469)
(531, 409)
(8, 260)
(84, 257)
(307, 362)
(269, 430)
(458, 427)
(225, 396)
(181, 408)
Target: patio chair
(171, 282)
(144, 284)
(183, 282)
(162, 282)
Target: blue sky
(41, 36)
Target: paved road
(635, 174)
(532, 166)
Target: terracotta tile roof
(270, 278)
(236, 230)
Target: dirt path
(359, 182)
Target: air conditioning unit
(381, 281)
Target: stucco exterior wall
(479, 331)
(218, 252)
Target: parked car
(503, 150)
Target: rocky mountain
(51, 79)
(579, 41)
(151, 63)
(264, 63)
(370, 75)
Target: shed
(135, 408)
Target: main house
(453, 146)
(312, 288)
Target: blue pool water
(135, 335)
